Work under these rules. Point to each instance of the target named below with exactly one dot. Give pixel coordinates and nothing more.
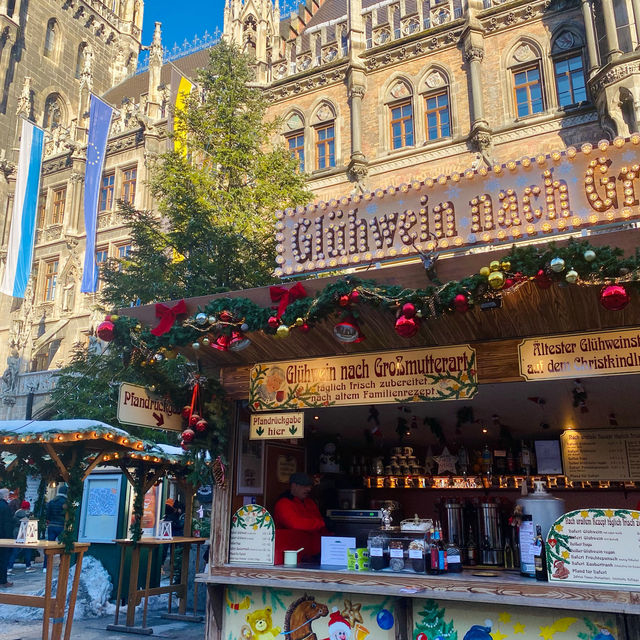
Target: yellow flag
(181, 89)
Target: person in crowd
(21, 514)
(296, 510)
(6, 531)
(14, 500)
(56, 514)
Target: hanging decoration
(105, 330)
(348, 330)
(168, 316)
(285, 296)
(614, 297)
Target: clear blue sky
(181, 19)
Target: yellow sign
(580, 355)
(540, 197)
(270, 426)
(412, 375)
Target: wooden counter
(510, 588)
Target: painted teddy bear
(260, 623)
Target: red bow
(286, 296)
(167, 316)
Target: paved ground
(88, 628)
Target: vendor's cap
(169, 502)
(301, 479)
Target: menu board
(252, 536)
(595, 545)
(601, 454)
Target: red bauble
(343, 301)
(304, 327)
(194, 419)
(407, 327)
(186, 412)
(201, 426)
(509, 282)
(461, 303)
(409, 310)
(422, 636)
(354, 295)
(105, 331)
(273, 322)
(225, 316)
(614, 297)
(188, 435)
(543, 280)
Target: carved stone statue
(10, 378)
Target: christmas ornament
(354, 296)
(105, 331)
(461, 303)
(282, 331)
(113, 317)
(422, 636)
(496, 279)
(221, 343)
(557, 265)
(206, 341)
(385, 619)
(188, 435)
(244, 327)
(186, 411)
(348, 331)
(614, 297)
(167, 316)
(201, 426)
(226, 316)
(542, 279)
(485, 271)
(508, 283)
(409, 310)
(494, 265)
(589, 255)
(299, 322)
(273, 322)
(343, 301)
(212, 319)
(571, 277)
(201, 318)
(193, 418)
(304, 327)
(407, 327)
(446, 462)
(505, 265)
(195, 345)
(284, 297)
(238, 341)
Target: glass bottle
(525, 459)
(510, 462)
(442, 552)
(463, 460)
(471, 549)
(432, 555)
(487, 461)
(454, 557)
(540, 556)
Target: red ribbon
(168, 316)
(286, 296)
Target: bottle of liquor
(454, 558)
(442, 552)
(471, 549)
(525, 459)
(487, 461)
(432, 552)
(540, 556)
(463, 460)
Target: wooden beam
(127, 473)
(56, 458)
(150, 481)
(96, 461)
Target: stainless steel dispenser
(490, 541)
(455, 522)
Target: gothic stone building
(371, 94)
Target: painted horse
(300, 615)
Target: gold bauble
(485, 271)
(114, 317)
(505, 265)
(282, 331)
(494, 265)
(299, 322)
(496, 280)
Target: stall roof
(98, 435)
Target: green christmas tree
(433, 625)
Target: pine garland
(75, 487)
(138, 503)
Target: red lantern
(407, 327)
(105, 331)
(348, 331)
(614, 297)
(409, 310)
(543, 280)
(186, 411)
(461, 303)
(188, 435)
(201, 426)
(273, 322)
(343, 301)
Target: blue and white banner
(25, 204)
(99, 122)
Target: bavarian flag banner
(180, 90)
(99, 122)
(23, 220)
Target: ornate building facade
(370, 94)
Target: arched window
(80, 60)
(526, 80)
(50, 39)
(294, 137)
(54, 111)
(437, 108)
(568, 68)
(324, 125)
(400, 109)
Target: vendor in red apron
(296, 511)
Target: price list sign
(252, 536)
(601, 454)
(595, 546)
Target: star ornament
(351, 612)
(446, 462)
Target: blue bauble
(384, 619)
(478, 632)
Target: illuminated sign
(565, 191)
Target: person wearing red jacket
(296, 510)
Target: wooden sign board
(411, 375)
(28, 532)
(271, 426)
(252, 536)
(601, 454)
(597, 546)
(138, 406)
(580, 355)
